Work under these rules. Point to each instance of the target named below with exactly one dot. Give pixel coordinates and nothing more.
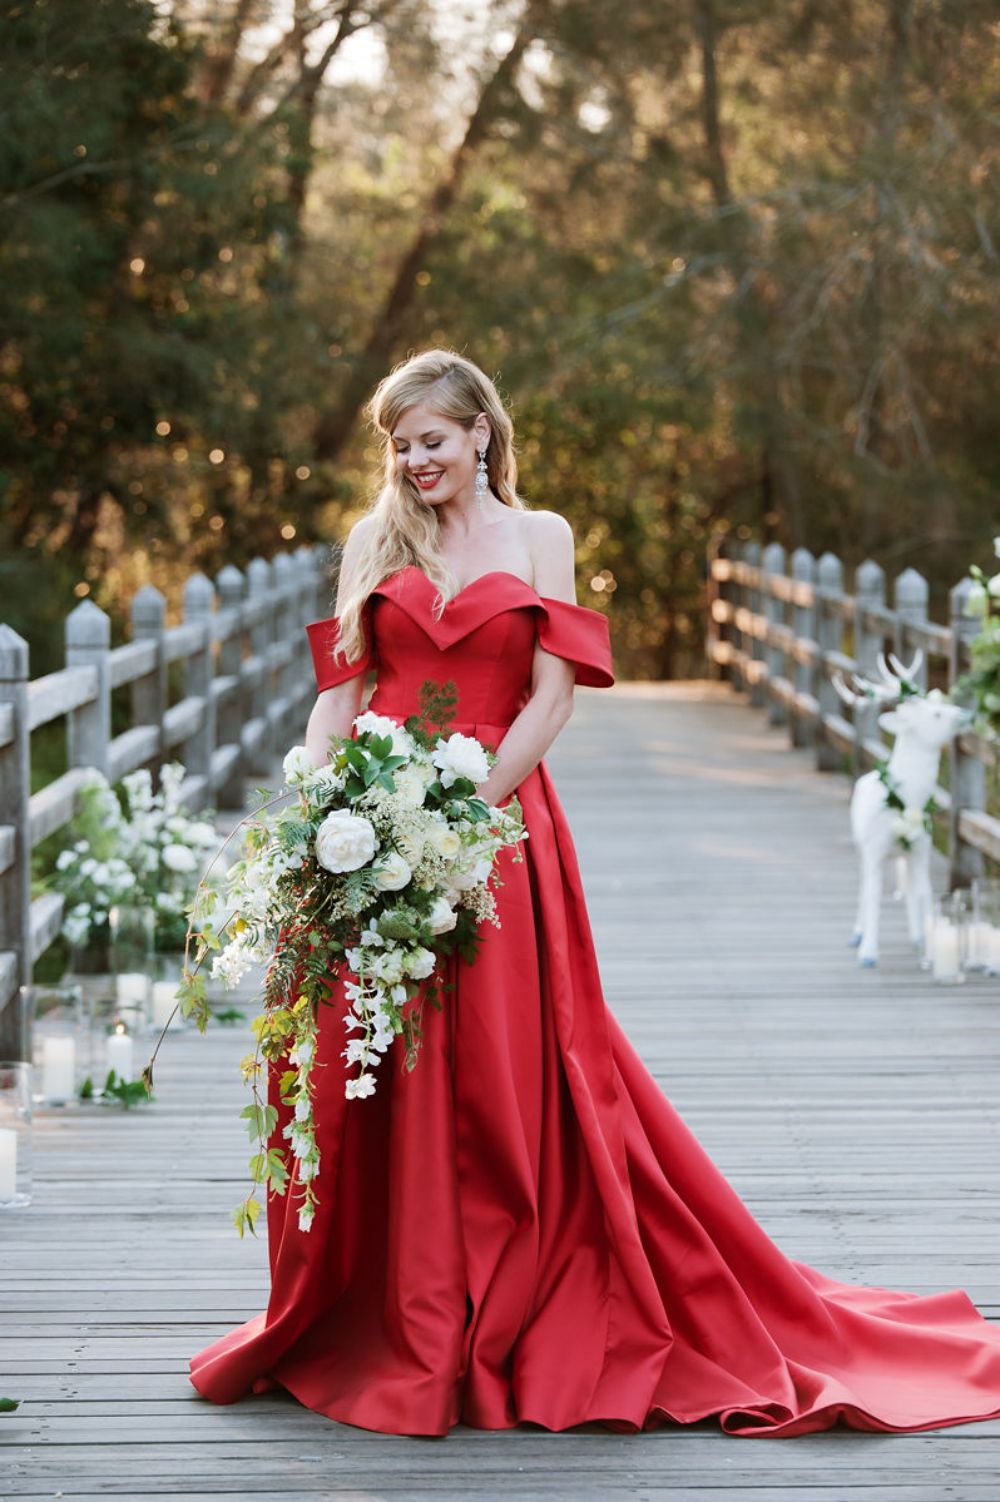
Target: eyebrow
(428, 434)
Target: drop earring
(481, 480)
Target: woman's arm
(550, 539)
(336, 708)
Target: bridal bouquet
(381, 866)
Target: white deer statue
(891, 806)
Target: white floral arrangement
(382, 866)
(140, 847)
(982, 680)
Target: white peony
(442, 916)
(179, 858)
(419, 963)
(392, 873)
(411, 785)
(402, 742)
(460, 756)
(344, 841)
(298, 764)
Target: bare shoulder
(553, 554)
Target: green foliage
(126, 1093)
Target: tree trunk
(334, 428)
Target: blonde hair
(405, 528)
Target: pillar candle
(164, 1000)
(120, 1055)
(58, 1069)
(8, 1164)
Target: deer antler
(899, 675)
(882, 693)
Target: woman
(523, 1229)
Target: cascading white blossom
(389, 845)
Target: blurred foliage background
(734, 265)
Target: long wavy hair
(405, 527)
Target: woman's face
(437, 454)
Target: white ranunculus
(344, 841)
(419, 963)
(460, 756)
(445, 841)
(392, 873)
(442, 916)
(379, 724)
(179, 858)
(297, 764)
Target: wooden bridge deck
(856, 1112)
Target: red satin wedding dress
(523, 1228)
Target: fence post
(149, 693)
(15, 836)
(259, 581)
(88, 729)
(774, 611)
(968, 773)
(804, 626)
(751, 555)
(286, 632)
(231, 586)
(869, 592)
(199, 600)
(909, 597)
(829, 637)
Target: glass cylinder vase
(947, 939)
(15, 1134)
(133, 929)
(56, 1027)
(168, 968)
(984, 927)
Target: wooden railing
(778, 628)
(247, 682)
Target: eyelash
(403, 452)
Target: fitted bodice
(484, 641)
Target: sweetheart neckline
(493, 573)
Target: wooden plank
(855, 1112)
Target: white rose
(442, 916)
(460, 756)
(419, 963)
(344, 841)
(445, 841)
(392, 873)
(178, 858)
(297, 764)
(402, 741)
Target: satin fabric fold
(523, 1229)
